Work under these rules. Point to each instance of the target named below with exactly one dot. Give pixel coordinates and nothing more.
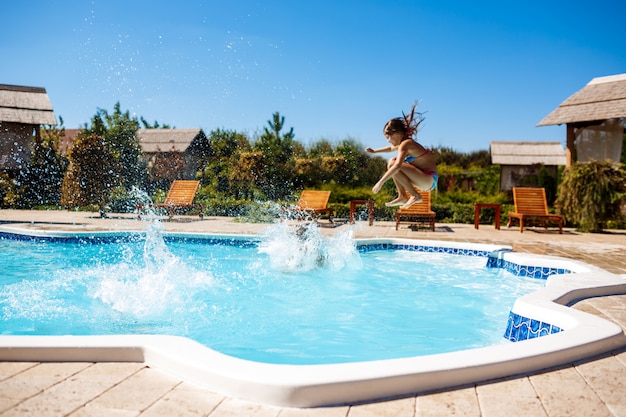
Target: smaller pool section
(288, 298)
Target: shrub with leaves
(590, 194)
(8, 191)
(41, 178)
(92, 174)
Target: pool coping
(584, 336)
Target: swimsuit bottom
(433, 174)
(435, 178)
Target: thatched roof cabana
(521, 162)
(173, 153)
(22, 111)
(25, 105)
(602, 98)
(168, 140)
(527, 153)
(593, 114)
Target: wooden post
(570, 151)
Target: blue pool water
(297, 298)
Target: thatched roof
(602, 98)
(166, 140)
(527, 153)
(27, 105)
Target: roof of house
(527, 153)
(166, 140)
(602, 98)
(66, 142)
(27, 105)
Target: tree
(357, 164)
(113, 162)
(449, 156)
(590, 194)
(488, 181)
(277, 149)
(249, 170)
(322, 147)
(92, 173)
(8, 191)
(308, 172)
(154, 125)
(225, 148)
(44, 173)
(119, 131)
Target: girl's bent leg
(396, 202)
(413, 200)
(401, 199)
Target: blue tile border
(540, 272)
(530, 271)
(367, 247)
(84, 239)
(127, 237)
(494, 258)
(521, 328)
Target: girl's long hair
(412, 121)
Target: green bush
(8, 191)
(122, 201)
(591, 193)
(226, 207)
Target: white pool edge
(584, 336)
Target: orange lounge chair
(418, 213)
(180, 198)
(530, 204)
(312, 203)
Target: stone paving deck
(595, 387)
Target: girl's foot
(397, 202)
(413, 200)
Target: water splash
(304, 248)
(143, 203)
(149, 288)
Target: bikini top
(410, 159)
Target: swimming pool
(575, 335)
(284, 299)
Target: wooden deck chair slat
(418, 213)
(531, 204)
(180, 197)
(313, 202)
(182, 192)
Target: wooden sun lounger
(530, 204)
(312, 203)
(180, 198)
(418, 213)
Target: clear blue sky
(482, 71)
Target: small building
(173, 154)
(594, 117)
(521, 162)
(22, 111)
(66, 142)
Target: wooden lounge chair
(530, 204)
(180, 198)
(418, 213)
(312, 203)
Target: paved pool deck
(595, 387)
